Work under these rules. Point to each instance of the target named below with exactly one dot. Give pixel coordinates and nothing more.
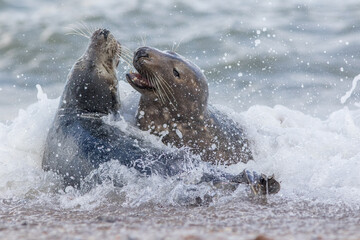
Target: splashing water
(348, 93)
(317, 162)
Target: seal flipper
(259, 184)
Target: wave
(314, 159)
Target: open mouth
(139, 81)
(141, 57)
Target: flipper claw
(261, 185)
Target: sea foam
(314, 159)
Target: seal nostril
(105, 32)
(141, 53)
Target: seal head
(92, 83)
(169, 78)
(174, 105)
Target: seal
(80, 141)
(174, 105)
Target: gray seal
(79, 141)
(174, 105)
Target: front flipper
(259, 184)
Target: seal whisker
(178, 45)
(168, 88)
(143, 40)
(128, 64)
(127, 54)
(126, 48)
(124, 56)
(155, 83)
(125, 59)
(173, 101)
(76, 32)
(163, 88)
(89, 31)
(124, 52)
(160, 86)
(127, 51)
(166, 84)
(81, 30)
(93, 28)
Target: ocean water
(286, 71)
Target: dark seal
(79, 140)
(174, 105)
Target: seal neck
(107, 60)
(89, 91)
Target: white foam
(21, 146)
(348, 93)
(313, 158)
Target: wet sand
(245, 219)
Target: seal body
(174, 105)
(78, 144)
(79, 140)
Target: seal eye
(176, 73)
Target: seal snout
(104, 32)
(142, 52)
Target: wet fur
(79, 140)
(187, 120)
